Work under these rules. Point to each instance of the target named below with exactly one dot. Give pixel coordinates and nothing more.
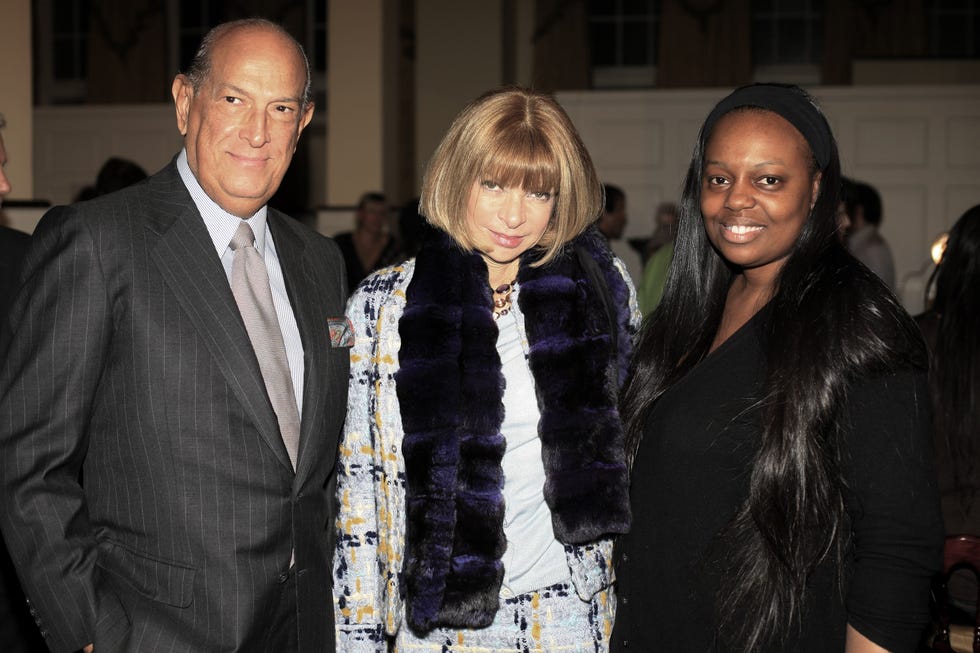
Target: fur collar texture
(450, 389)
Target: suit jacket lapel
(186, 257)
(314, 334)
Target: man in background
(115, 174)
(173, 347)
(863, 205)
(612, 223)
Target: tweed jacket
(371, 473)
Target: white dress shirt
(222, 227)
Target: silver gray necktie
(250, 285)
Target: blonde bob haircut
(515, 137)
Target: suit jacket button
(283, 577)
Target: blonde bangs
(522, 161)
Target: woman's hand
(858, 643)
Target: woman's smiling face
(757, 188)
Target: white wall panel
(631, 143)
(956, 200)
(72, 142)
(905, 229)
(891, 143)
(963, 142)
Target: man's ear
(306, 118)
(183, 92)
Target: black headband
(790, 102)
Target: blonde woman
(482, 469)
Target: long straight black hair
(954, 374)
(829, 322)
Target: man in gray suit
(151, 497)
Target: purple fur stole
(450, 389)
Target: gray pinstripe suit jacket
(127, 365)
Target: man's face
(614, 222)
(4, 182)
(241, 127)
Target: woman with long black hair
(951, 333)
(777, 414)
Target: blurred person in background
(612, 224)
(864, 210)
(370, 245)
(951, 328)
(660, 250)
(115, 174)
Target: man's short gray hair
(200, 67)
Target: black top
(691, 475)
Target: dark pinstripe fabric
(129, 363)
